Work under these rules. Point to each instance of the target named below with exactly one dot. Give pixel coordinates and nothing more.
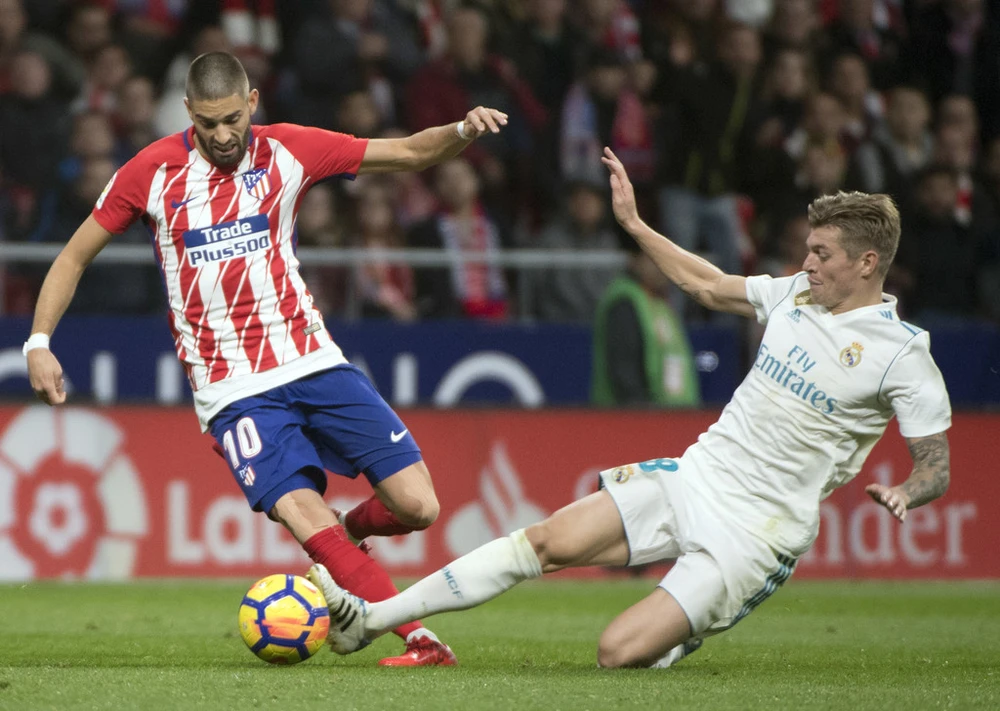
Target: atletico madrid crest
(257, 183)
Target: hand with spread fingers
(481, 121)
(890, 497)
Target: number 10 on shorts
(250, 446)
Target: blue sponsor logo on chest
(229, 240)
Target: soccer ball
(283, 619)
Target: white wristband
(460, 130)
(36, 340)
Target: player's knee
(614, 651)
(419, 513)
(552, 555)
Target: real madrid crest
(803, 298)
(622, 474)
(851, 356)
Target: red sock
(372, 518)
(353, 570)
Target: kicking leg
(304, 513)
(587, 532)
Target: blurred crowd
(730, 116)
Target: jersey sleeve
(765, 292)
(124, 198)
(322, 153)
(916, 391)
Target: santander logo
(71, 503)
(501, 509)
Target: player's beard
(221, 159)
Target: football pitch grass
(174, 645)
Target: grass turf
(174, 645)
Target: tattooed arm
(696, 277)
(927, 481)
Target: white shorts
(722, 573)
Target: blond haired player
(741, 504)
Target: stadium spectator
(462, 225)
(855, 31)
(34, 129)
(954, 147)
(795, 24)
(384, 289)
(105, 75)
(610, 24)
(88, 29)
(849, 83)
(357, 114)
(547, 50)
(943, 255)
(282, 410)
(570, 295)
(641, 352)
(701, 178)
(784, 254)
(344, 43)
(959, 111)
(728, 512)
(67, 74)
(319, 225)
(599, 110)
(788, 82)
(105, 288)
(469, 74)
(899, 147)
(951, 51)
(678, 34)
(135, 116)
(149, 30)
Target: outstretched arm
(696, 277)
(432, 145)
(44, 370)
(927, 481)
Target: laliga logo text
(71, 502)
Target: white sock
(422, 632)
(469, 581)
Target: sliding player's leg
(587, 532)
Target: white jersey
(820, 393)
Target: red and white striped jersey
(242, 318)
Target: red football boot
(422, 652)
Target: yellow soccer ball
(284, 619)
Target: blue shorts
(334, 420)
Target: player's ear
(187, 105)
(869, 263)
(253, 98)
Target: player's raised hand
(890, 497)
(622, 194)
(482, 120)
(46, 376)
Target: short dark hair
(216, 75)
(865, 222)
